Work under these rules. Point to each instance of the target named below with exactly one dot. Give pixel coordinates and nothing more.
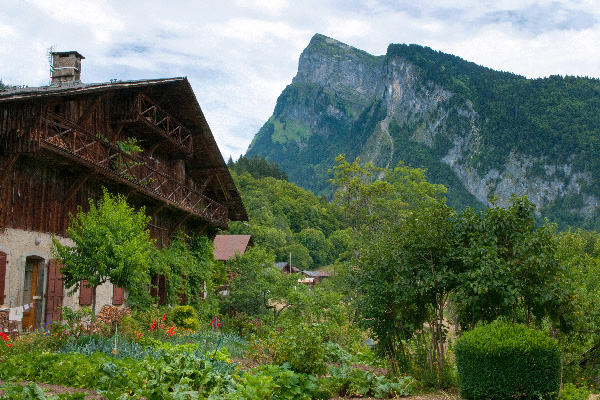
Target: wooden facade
(61, 145)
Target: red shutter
(55, 293)
(3, 258)
(154, 286)
(158, 289)
(118, 295)
(183, 295)
(162, 290)
(85, 294)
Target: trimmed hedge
(503, 361)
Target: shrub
(572, 392)
(185, 317)
(502, 360)
(301, 346)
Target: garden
(164, 354)
(422, 301)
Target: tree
(359, 195)
(189, 268)
(259, 287)
(375, 207)
(111, 243)
(405, 281)
(512, 268)
(316, 243)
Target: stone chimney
(66, 67)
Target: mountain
(480, 132)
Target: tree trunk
(93, 321)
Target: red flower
(9, 344)
(3, 336)
(153, 325)
(139, 336)
(164, 316)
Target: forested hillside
(481, 133)
(285, 218)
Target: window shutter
(3, 260)
(85, 294)
(118, 295)
(158, 289)
(154, 287)
(55, 292)
(162, 290)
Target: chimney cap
(68, 53)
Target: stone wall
(18, 245)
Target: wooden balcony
(61, 136)
(153, 121)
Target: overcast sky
(240, 54)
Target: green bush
(185, 317)
(301, 346)
(572, 392)
(502, 361)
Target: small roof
(226, 246)
(315, 273)
(285, 267)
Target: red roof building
(226, 246)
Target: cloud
(537, 19)
(269, 7)
(97, 15)
(239, 55)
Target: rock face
(384, 109)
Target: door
(29, 293)
(56, 288)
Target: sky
(240, 54)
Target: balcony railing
(59, 134)
(140, 109)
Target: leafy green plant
(32, 391)
(347, 381)
(301, 346)
(572, 392)
(185, 317)
(503, 360)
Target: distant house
(286, 268)
(316, 276)
(226, 246)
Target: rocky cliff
(482, 133)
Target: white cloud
(269, 7)
(239, 55)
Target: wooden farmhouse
(61, 144)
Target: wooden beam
(75, 188)
(117, 133)
(88, 111)
(206, 184)
(12, 159)
(155, 213)
(178, 224)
